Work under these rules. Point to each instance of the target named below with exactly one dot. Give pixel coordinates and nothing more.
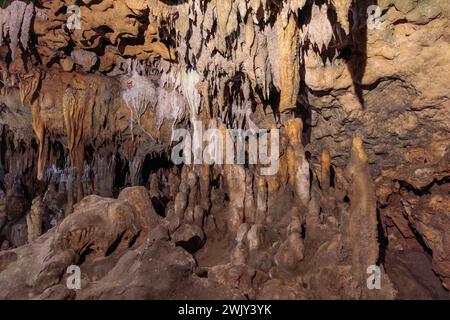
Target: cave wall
(89, 108)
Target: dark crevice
(383, 241)
(420, 240)
(114, 245)
(424, 190)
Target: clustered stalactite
(98, 105)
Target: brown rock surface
(90, 97)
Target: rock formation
(92, 94)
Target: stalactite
(320, 31)
(151, 67)
(15, 24)
(103, 184)
(289, 64)
(342, 9)
(39, 130)
(26, 25)
(138, 93)
(73, 119)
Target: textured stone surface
(88, 112)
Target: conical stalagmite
(363, 212)
(34, 219)
(298, 166)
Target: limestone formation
(362, 226)
(34, 219)
(95, 94)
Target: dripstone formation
(91, 93)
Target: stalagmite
(204, 185)
(239, 254)
(199, 216)
(363, 212)
(291, 251)
(325, 171)
(261, 199)
(298, 166)
(250, 201)
(328, 200)
(34, 219)
(181, 201)
(93, 92)
(233, 177)
(255, 237)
